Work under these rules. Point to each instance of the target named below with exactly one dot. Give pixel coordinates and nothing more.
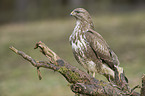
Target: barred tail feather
(119, 75)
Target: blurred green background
(25, 22)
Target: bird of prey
(90, 49)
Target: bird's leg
(112, 82)
(94, 74)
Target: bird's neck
(79, 30)
(84, 24)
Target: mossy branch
(81, 82)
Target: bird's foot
(112, 83)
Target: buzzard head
(82, 15)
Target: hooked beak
(72, 13)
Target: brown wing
(101, 48)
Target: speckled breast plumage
(82, 50)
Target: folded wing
(101, 49)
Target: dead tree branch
(81, 82)
(143, 86)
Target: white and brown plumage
(89, 47)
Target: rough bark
(143, 86)
(81, 82)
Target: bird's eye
(77, 11)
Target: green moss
(63, 70)
(102, 83)
(74, 76)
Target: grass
(125, 33)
